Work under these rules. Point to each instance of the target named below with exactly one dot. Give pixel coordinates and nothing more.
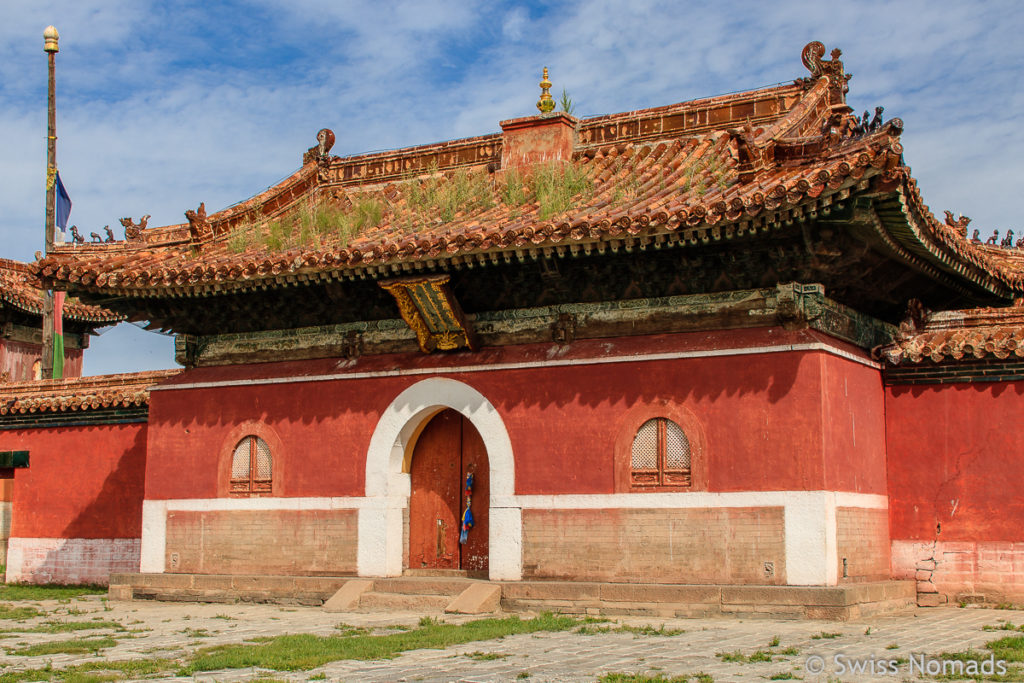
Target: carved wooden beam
(428, 306)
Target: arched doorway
(447, 449)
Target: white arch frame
(381, 538)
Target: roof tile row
(81, 393)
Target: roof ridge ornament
(133, 230)
(812, 55)
(319, 151)
(546, 104)
(832, 69)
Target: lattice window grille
(251, 466)
(660, 455)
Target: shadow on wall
(103, 533)
(694, 381)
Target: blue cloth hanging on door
(467, 516)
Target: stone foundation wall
(862, 540)
(70, 560)
(292, 542)
(989, 571)
(693, 545)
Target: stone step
(406, 602)
(447, 573)
(420, 585)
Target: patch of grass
(558, 187)
(867, 631)
(774, 642)
(512, 189)
(239, 240)
(825, 635)
(892, 646)
(567, 104)
(11, 612)
(66, 627)
(740, 658)
(1003, 626)
(196, 633)
(349, 630)
(736, 656)
(784, 676)
(588, 629)
(616, 677)
(443, 197)
(69, 647)
(522, 675)
(48, 591)
(485, 656)
(225, 617)
(319, 677)
(789, 651)
(1009, 649)
(306, 651)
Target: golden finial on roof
(545, 103)
(50, 37)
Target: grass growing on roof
(512, 189)
(556, 187)
(314, 224)
(438, 196)
(306, 651)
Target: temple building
(21, 315)
(720, 343)
(21, 348)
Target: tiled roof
(962, 335)
(695, 172)
(21, 288)
(80, 393)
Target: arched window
(251, 467)
(660, 455)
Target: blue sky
(162, 105)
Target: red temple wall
(77, 508)
(956, 456)
(853, 419)
(766, 424)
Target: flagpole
(50, 38)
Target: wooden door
(447, 448)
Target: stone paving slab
(174, 630)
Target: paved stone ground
(173, 630)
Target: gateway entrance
(448, 448)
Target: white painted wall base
(70, 560)
(809, 518)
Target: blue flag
(63, 205)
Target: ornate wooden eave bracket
(428, 307)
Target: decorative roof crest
(812, 55)
(546, 104)
(319, 151)
(133, 230)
